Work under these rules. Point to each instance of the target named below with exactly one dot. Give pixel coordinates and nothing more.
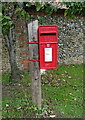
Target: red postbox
(48, 46)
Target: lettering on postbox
(48, 46)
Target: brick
(25, 57)
(24, 61)
(25, 69)
(22, 45)
(24, 53)
(21, 38)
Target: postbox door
(48, 56)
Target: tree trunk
(15, 73)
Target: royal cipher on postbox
(48, 46)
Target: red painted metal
(32, 42)
(40, 43)
(48, 46)
(32, 60)
(48, 43)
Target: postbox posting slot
(48, 34)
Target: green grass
(62, 92)
(5, 78)
(67, 98)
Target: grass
(62, 93)
(68, 96)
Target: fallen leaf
(75, 99)
(19, 108)
(62, 112)
(19, 84)
(7, 105)
(52, 116)
(65, 99)
(65, 71)
(22, 75)
(69, 76)
(71, 93)
(63, 80)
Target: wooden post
(34, 65)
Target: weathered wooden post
(34, 65)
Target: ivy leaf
(29, 4)
(49, 9)
(27, 17)
(10, 23)
(23, 13)
(5, 23)
(1, 17)
(0, 14)
(38, 6)
(17, 10)
(7, 17)
(41, 19)
(55, 9)
(65, 13)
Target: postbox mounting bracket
(33, 43)
(42, 43)
(33, 60)
(39, 43)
